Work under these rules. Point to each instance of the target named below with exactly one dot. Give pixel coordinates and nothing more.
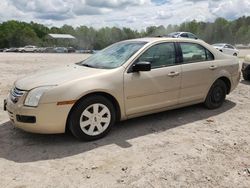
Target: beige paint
(136, 93)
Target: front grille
(15, 94)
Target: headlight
(33, 97)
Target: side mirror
(141, 66)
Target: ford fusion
(125, 80)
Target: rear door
(197, 71)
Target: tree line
(17, 34)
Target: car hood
(56, 76)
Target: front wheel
(216, 95)
(92, 118)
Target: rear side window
(229, 46)
(190, 35)
(184, 35)
(192, 52)
(159, 55)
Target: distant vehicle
(71, 50)
(88, 51)
(28, 48)
(182, 35)
(96, 51)
(60, 50)
(226, 48)
(246, 68)
(11, 50)
(41, 50)
(85, 51)
(49, 50)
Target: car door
(197, 72)
(231, 49)
(228, 49)
(155, 89)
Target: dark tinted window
(192, 36)
(184, 35)
(159, 55)
(195, 53)
(229, 46)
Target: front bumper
(45, 119)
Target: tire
(216, 95)
(92, 118)
(246, 76)
(234, 54)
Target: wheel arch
(227, 81)
(110, 97)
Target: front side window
(160, 55)
(192, 52)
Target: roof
(167, 39)
(61, 36)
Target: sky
(136, 14)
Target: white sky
(136, 14)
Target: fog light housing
(26, 119)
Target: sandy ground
(188, 147)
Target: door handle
(213, 67)
(173, 74)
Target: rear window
(192, 52)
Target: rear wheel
(92, 118)
(234, 54)
(216, 95)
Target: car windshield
(114, 55)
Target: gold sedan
(128, 79)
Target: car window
(195, 53)
(209, 55)
(190, 35)
(184, 35)
(229, 46)
(159, 55)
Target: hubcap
(95, 119)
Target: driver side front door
(155, 89)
